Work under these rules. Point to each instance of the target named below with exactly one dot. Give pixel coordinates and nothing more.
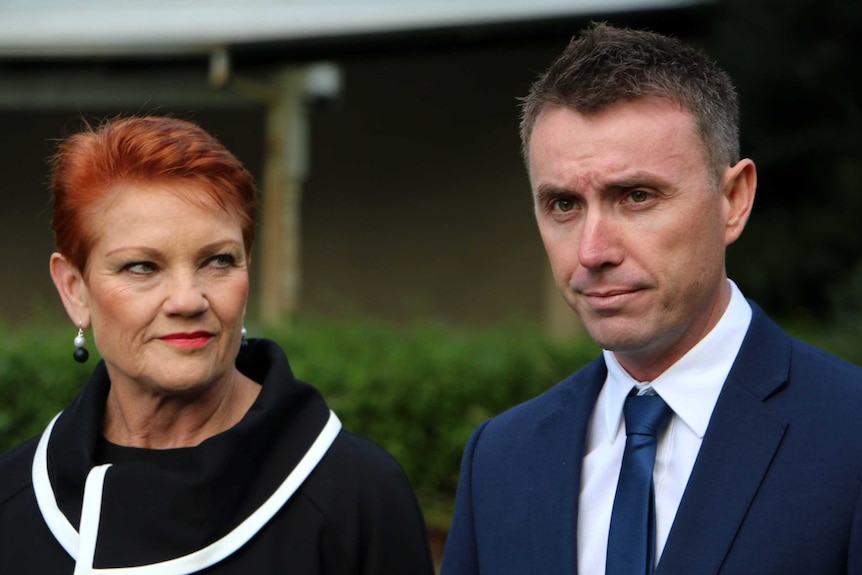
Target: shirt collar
(691, 385)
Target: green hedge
(421, 391)
(38, 378)
(418, 391)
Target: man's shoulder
(765, 336)
(578, 391)
(773, 360)
(807, 360)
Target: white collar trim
(81, 547)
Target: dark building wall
(417, 204)
(25, 287)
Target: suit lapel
(739, 445)
(556, 472)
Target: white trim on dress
(81, 547)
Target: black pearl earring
(81, 354)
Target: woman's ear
(72, 289)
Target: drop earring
(81, 354)
(244, 332)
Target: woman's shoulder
(362, 461)
(364, 497)
(357, 474)
(15, 469)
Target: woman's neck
(140, 418)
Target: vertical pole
(285, 168)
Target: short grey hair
(606, 65)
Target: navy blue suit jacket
(776, 488)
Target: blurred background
(384, 138)
(397, 255)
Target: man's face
(634, 227)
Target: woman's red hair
(88, 166)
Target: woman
(190, 449)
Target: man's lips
(607, 292)
(191, 340)
(608, 298)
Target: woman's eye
(563, 205)
(222, 261)
(639, 196)
(140, 268)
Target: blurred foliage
(417, 391)
(420, 391)
(38, 378)
(796, 66)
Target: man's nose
(600, 242)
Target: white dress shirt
(690, 387)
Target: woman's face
(165, 288)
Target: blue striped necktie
(631, 540)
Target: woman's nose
(186, 296)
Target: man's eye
(639, 196)
(563, 205)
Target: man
(755, 457)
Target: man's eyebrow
(638, 179)
(551, 191)
(634, 180)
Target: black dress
(284, 491)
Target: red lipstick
(191, 340)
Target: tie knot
(645, 414)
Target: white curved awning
(76, 28)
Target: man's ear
(72, 289)
(738, 186)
